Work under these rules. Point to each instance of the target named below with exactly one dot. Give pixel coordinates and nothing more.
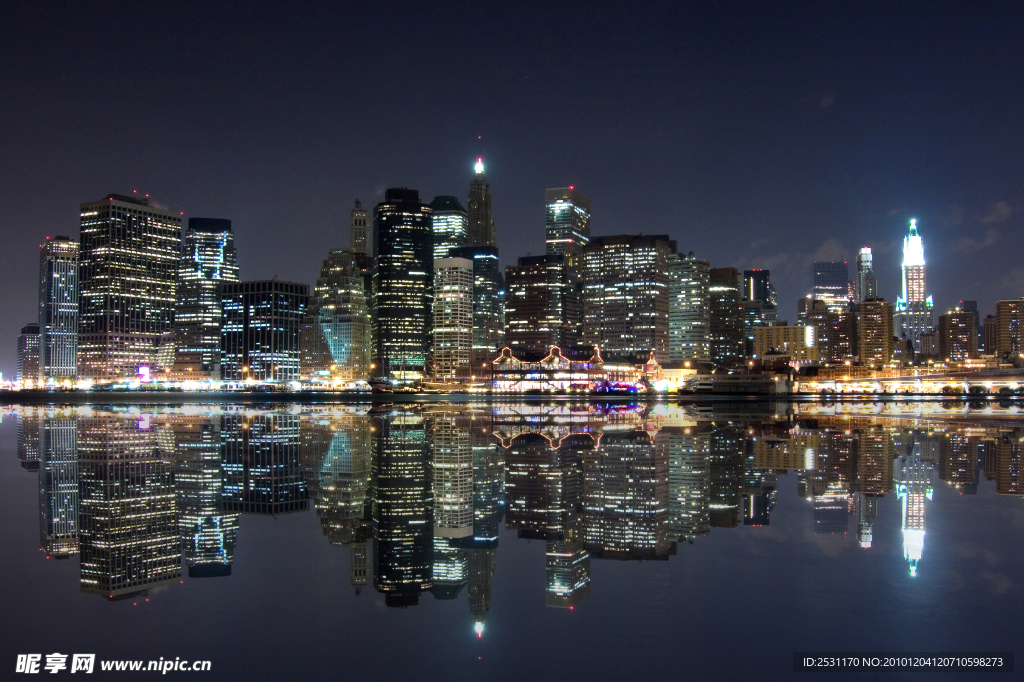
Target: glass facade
(449, 224)
(568, 221)
(335, 339)
(260, 332)
(58, 310)
(453, 318)
(689, 313)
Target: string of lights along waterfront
(418, 299)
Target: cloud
(973, 244)
(1013, 283)
(998, 212)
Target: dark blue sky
(756, 134)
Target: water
(519, 542)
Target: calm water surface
(519, 542)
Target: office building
(542, 304)
(958, 338)
(453, 318)
(831, 284)
(1010, 328)
(28, 354)
(914, 307)
(261, 328)
(449, 224)
(874, 332)
(359, 230)
(799, 342)
(58, 310)
(726, 333)
(990, 335)
(757, 286)
(832, 330)
(403, 285)
(867, 282)
(335, 341)
(208, 260)
(480, 231)
(568, 221)
(488, 303)
(689, 311)
(128, 272)
(624, 281)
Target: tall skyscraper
(758, 304)
(261, 328)
(689, 312)
(542, 304)
(914, 307)
(831, 284)
(359, 230)
(453, 318)
(208, 261)
(28, 353)
(128, 272)
(481, 230)
(726, 338)
(1009, 337)
(625, 293)
(58, 310)
(867, 283)
(958, 338)
(488, 303)
(874, 332)
(335, 337)
(403, 286)
(757, 286)
(568, 221)
(449, 224)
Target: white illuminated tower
(867, 283)
(913, 479)
(914, 307)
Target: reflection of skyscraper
(726, 461)
(913, 478)
(867, 512)
(453, 503)
(128, 517)
(342, 477)
(567, 569)
(28, 441)
(262, 469)
(688, 482)
(58, 487)
(481, 575)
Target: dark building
(58, 310)
(403, 281)
(488, 303)
(260, 330)
(481, 230)
(261, 465)
(58, 487)
(28, 353)
(542, 304)
(831, 283)
(757, 286)
(726, 337)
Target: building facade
(689, 312)
(488, 303)
(867, 282)
(335, 341)
(359, 230)
(831, 283)
(453, 318)
(261, 328)
(958, 338)
(449, 224)
(480, 230)
(875, 332)
(914, 307)
(568, 221)
(1009, 341)
(799, 342)
(542, 304)
(28, 353)
(726, 333)
(58, 310)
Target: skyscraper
(453, 318)
(128, 272)
(831, 284)
(867, 283)
(359, 230)
(958, 338)
(914, 307)
(758, 304)
(402, 284)
(208, 261)
(1009, 337)
(261, 328)
(58, 310)
(28, 353)
(449, 224)
(488, 303)
(481, 230)
(689, 312)
(757, 286)
(542, 304)
(726, 338)
(874, 332)
(625, 293)
(568, 221)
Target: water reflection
(416, 495)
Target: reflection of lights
(479, 628)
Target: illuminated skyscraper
(208, 260)
(128, 272)
(488, 303)
(625, 293)
(28, 353)
(1009, 329)
(261, 464)
(831, 284)
(481, 230)
(867, 283)
(874, 319)
(335, 337)
(261, 327)
(725, 337)
(914, 307)
(58, 486)
(453, 318)
(568, 221)
(542, 304)
(403, 286)
(689, 310)
(449, 225)
(359, 230)
(913, 478)
(58, 310)
(958, 338)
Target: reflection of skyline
(416, 497)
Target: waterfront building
(449, 225)
(830, 281)
(58, 310)
(262, 465)
(480, 230)
(208, 260)
(403, 286)
(542, 304)
(488, 304)
(874, 320)
(867, 282)
(726, 337)
(625, 296)
(128, 272)
(58, 486)
(568, 221)
(689, 311)
(453, 318)
(958, 338)
(799, 342)
(359, 230)
(28, 353)
(914, 307)
(913, 477)
(335, 339)
(261, 328)
(1009, 328)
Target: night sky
(755, 134)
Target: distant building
(833, 331)
(624, 282)
(874, 331)
(726, 338)
(542, 304)
(990, 335)
(568, 221)
(28, 353)
(958, 338)
(260, 331)
(58, 310)
(480, 230)
(757, 286)
(689, 312)
(449, 225)
(798, 342)
(914, 307)
(128, 274)
(335, 337)
(867, 282)
(488, 303)
(1010, 328)
(830, 284)
(453, 318)
(359, 230)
